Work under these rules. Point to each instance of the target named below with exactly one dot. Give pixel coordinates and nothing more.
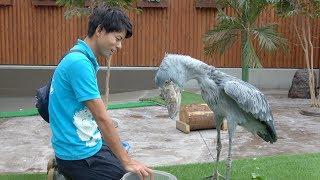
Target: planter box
(206, 4)
(150, 4)
(6, 2)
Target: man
(77, 114)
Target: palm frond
(316, 7)
(250, 56)
(268, 38)
(286, 8)
(219, 41)
(223, 35)
(241, 2)
(228, 3)
(309, 8)
(255, 8)
(223, 18)
(273, 1)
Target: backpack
(42, 94)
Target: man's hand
(141, 170)
(111, 136)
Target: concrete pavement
(155, 140)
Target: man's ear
(99, 30)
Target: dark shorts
(104, 165)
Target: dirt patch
(162, 116)
(136, 116)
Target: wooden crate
(196, 117)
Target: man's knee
(106, 167)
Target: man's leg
(102, 165)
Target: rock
(300, 85)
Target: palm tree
(242, 25)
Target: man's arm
(111, 136)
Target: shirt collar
(83, 46)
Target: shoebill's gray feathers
(238, 102)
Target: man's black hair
(110, 19)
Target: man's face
(109, 43)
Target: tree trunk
(244, 60)
(314, 101)
(108, 59)
(307, 46)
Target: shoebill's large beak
(172, 96)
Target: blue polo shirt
(75, 134)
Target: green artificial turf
(34, 112)
(283, 167)
(20, 176)
(286, 167)
(186, 98)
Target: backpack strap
(71, 51)
(75, 50)
(43, 93)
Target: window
(49, 3)
(206, 4)
(152, 4)
(44, 3)
(6, 2)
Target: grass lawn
(187, 98)
(19, 176)
(286, 167)
(302, 167)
